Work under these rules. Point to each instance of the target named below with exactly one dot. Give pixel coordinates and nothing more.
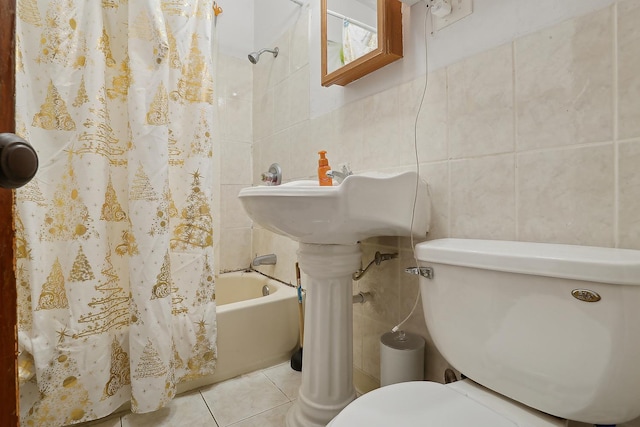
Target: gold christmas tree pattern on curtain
(53, 114)
(177, 306)
(19, 57)
(64, 399)
(111, 209)
(173, 211)
(176, 361)
(20, 244)
(195, 229)
(128, 244)
(104, 46)
(196, 84)
(201, 144)
(81, 97)
(176, 364)
(204, 353)
(121, 83)
(110, 4)
(174, 7)
(53, 295)
(134, 313)
(141, 189)
(31, 193)
(204, 10)
(174, 55)
(109, 311)
(164, 283)
(81, 270)
(158, 113)
(119, 373)
(68, 218)
(100, 137)
(160, 223)
(143, 28)
(28, 12)
(206, 292)
(175, 153)
(21, 128)
(61, 42)
(152, 30)
(25, 308)
(150, 365)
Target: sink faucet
(269, 259)
(273, 176)
(340, 176)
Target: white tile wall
(629, 198)
(564, 82)
(483, 197)
(628, 65)
(480, 97)
(566, 196)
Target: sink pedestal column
(327, 359)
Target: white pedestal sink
(329, 222)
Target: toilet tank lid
(589, 263)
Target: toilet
(542, 333)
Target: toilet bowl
(426, 403)
(544, 332)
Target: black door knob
(18, 161)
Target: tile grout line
(448, 151)
(616, 144)
(274, 383)
(259, 413)
(207, 405)
(516, 183)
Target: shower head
(254, 56)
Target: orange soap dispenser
(323, 168)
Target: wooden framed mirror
(358, 37)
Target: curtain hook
(217, 10)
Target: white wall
(493, 22)
(248, 25)
(236, 28)
(273, 18)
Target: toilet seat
(425, 403)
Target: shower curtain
(114, 246)
(356, 41)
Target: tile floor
(259, 399)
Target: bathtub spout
(269, 259)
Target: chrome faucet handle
(269, 178)
(346, 169)
(273, 176)
(340, 176)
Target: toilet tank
(521, 319)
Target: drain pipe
(362, 297)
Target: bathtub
(254, 331)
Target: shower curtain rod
(352, 21)
(340, 16)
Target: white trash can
(401, 358)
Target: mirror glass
(351, 31)
(358, 37)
